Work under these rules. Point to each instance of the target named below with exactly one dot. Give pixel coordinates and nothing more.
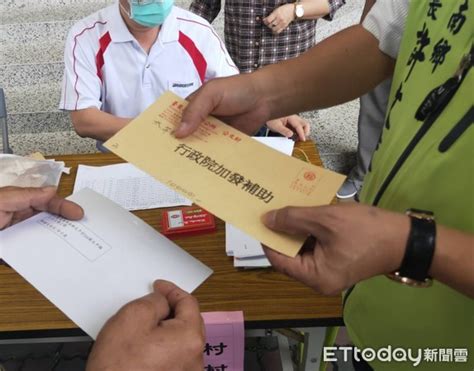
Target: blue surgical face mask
(150, 13)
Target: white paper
(90, 268)
(239, 244)
(281, 144)
(254, 262)
(127, 186)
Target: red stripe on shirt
(216, 36)
(104, 42)
(74, 57)
(65, 90)
(197, 57)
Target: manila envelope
(223, 170)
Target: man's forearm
(355, 64)
(453, 261)
(96, 124)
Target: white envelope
(90, 268)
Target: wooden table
(268, 299)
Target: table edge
(249, 325)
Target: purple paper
(225, 337)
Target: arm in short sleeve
(208, 9)
(81, 86)
(386, 21)
(219, 62)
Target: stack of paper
(246, 250)
(127, 186)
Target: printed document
(127, 186)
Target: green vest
(435, 174)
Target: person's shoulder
(93, 24)
(190, 21)
(198, 29)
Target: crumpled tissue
(29, 172)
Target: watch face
(299, 11)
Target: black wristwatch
(420, 250)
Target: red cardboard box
(187, 221)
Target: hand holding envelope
(152, 333)
(17, 204)
(223, 170)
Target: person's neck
(145, 36)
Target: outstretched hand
(235, 100)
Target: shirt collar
(169, 31)
(119, 32)
(117, 27)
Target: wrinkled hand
(161, 331)
(280, 18)
(235, 100)
(285, 125)
(17, 204)
(351, 243)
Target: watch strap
(420, 249)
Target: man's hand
(350, 243)
(161, 331)
(286, 125)
(235, 100)
(280, 18)
(17, 204)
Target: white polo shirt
(386, 21)
(105, 67)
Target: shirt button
(257, 43)
(147, 66)
(257, 18)
(256, 65)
